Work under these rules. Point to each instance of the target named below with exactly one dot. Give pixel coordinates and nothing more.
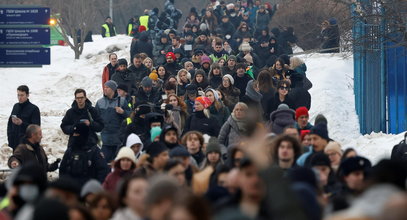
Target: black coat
(127, 78)
(172, 68)
(275, 102)
(73, 117)
(96, 169)
(215, 81)
(199, 122)
(29, 114)
(152, 97)
(241, 83)
(139, 73)
(142, 45)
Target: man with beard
(83, 160)
(169, 136)
(30, 151)
(82, 111)
(286, 150)
(138, 69)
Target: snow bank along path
(52, 87)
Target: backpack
(78, 163)
(399, 152)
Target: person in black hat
(123, 92)
(158, 155)
(181, 153)
(169, 136)
(83, 160)
(191, 95)
(241, 78)
(124, 76)
(319, 140)
(321, 163)
(352, 172)
(146, 92)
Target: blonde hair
(242, 104)
(181, 71)
(295, 62)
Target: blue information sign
(24, 16)
(24, 56)
(25, 36)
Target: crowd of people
(211, 122)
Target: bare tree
(75, 20)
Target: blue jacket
(301, 160)
(112, 120)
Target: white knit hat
(230, 77)
(126, 152)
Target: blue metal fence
(380, 75)
(396, 68)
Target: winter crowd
(211, 122)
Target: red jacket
(106, 75)
(110, 183)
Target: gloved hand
(54, 166)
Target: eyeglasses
(284, 88)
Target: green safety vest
(129, 29)
(144, 21)
(106, 27)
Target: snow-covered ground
(52, 90)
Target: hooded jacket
(74, 115)
(280, 119)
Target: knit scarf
(241, 124)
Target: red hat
(170, 54)
(205, 101)
(303, 133)
(142, 28)
(300, 112)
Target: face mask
(29, 192)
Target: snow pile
(52, 89)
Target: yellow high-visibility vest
(144, 21)
(129, 29)
(106, 27)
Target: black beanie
(122, 62)
(320, 159)
(320, 130)
(123, 87)
(352, 164)
(155, 149)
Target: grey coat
(112, 120)
(229, 133)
